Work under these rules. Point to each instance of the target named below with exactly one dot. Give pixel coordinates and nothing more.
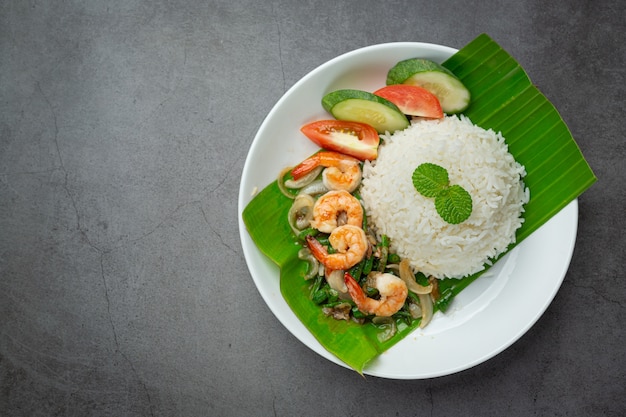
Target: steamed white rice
(476, 159)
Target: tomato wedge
(356, 139)
(412, 100)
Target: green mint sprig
(452, 202)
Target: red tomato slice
(412, 100)
(356, 139)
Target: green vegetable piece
(333, 295)
(320, 296)
(371, 292)
(367, 266)
(357, 270)
(317, 284)
(307, 232)
(453, 96)
(430, 179)
(453, 203)
(421, 279)
(393, 258)
(358, 314)
(365, 107)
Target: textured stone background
(124, 126)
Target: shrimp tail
(354, 289)
(317, 249)
(323, 158)
(330, 158)
(305, 167)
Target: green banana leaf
(503, 99)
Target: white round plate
(485, 318)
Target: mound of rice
(476, 159)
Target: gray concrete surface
(124, 126)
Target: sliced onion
(314, 188)
(435, 294)
(407, 276)
(284, 186)
(301, 212)
(305, 254)
(305, 180)
(415, 310)
(281, 183)
(336, 281)
(389, 328)
(427, 309)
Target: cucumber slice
(365, 107)
(453, 96)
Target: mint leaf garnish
(430, 179)
(452, 202)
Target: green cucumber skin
(336, 101)
(331, 99)
(400, 72)
(409, 71)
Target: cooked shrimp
(336, 208)
(350, 243)
(342, 172)
(392, 290)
